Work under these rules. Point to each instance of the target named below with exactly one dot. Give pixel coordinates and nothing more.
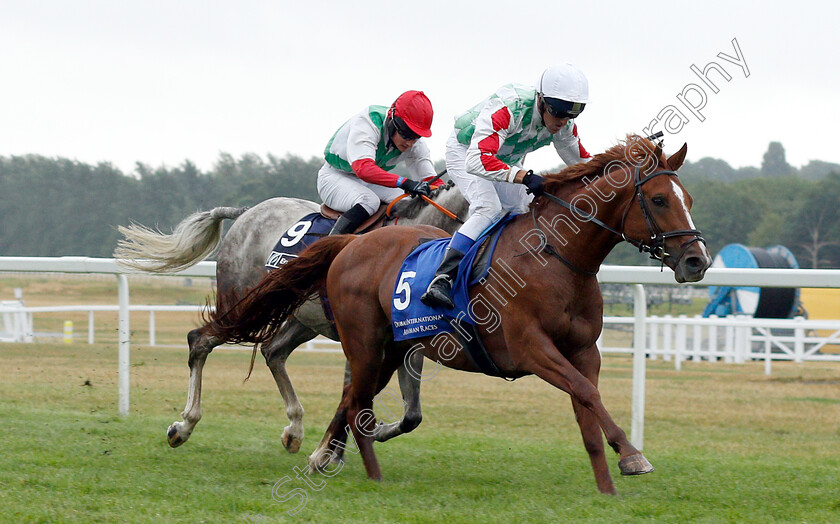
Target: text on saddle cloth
(413, 319)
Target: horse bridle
(656, 245)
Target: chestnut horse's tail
(258, 316)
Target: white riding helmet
(564, 89)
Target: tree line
(764, 206)
(57, 206)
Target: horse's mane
(633, 151)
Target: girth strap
(477, 353)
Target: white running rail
(636, 275)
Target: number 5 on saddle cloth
(413, 319)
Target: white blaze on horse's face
(681, 196)
(705, 255)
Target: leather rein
(656, 244)
(429, 201)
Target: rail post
(637, 427)
(124, 348)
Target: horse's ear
(676, 160)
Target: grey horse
(240, 266)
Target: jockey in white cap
(485, 153)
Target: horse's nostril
(695, 263)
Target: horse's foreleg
(589, 364)
(550, 365)
(276, 352)
(200, 346)
(409, 376)
(593, 442)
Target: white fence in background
(21, 330)
(106, 266)
(16, 323)
(731, 339)
(637, 276)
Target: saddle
(376, 220)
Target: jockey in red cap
(355, 177)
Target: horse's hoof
(383, 432)
(635, 465)
(320, 461)
(292, 444)
(173, 436)
(312, 463)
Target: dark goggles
(404, 130)
(563, 109)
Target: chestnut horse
(546, 324)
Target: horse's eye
(658, 201)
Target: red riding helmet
(415, 109)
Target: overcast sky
(160, 82)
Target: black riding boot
(350, 220)
(439, 290)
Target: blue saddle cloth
(411, 318)
(298, 237)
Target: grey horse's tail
(191, 241)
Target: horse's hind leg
(370, 374)
(292, 335)
(201, 345)
(409, 374)
(331, 447)
(393, 360)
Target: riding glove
(534, 183)
(416, 188)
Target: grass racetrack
(729, 444)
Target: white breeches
(342, 190)
(488, 200)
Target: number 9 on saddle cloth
(297, 238)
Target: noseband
(655, 245)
